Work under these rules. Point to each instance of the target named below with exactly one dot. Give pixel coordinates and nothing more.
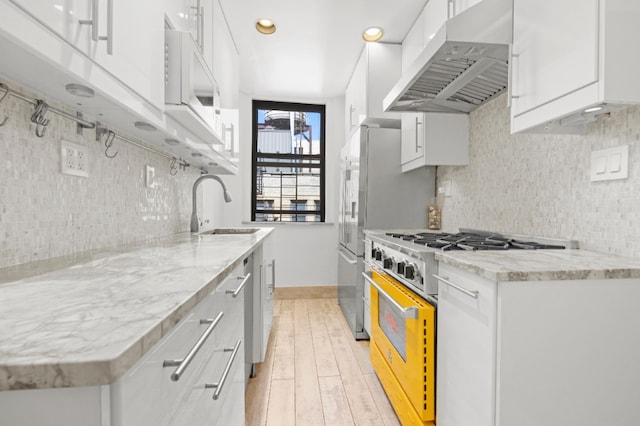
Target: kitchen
(525, 183)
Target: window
(288, 170)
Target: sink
(230, 231)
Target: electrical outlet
(73, 159)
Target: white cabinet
(263, 293)
(567, 57)
(125, 38)
(433, 16)
(226, 61)
(149, 395)
(376, 71)
(465, 350)
(434, 139)
(528, 353)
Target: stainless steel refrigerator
(374, 194)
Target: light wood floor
(315, 373)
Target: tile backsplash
(45, 214)
(539, 184)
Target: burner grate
(470, 241)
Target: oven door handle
(410, 312)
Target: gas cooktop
(471, 241)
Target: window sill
(288, 223)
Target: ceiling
(317, 43)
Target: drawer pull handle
(223, 378)
(182, 364)
(469, 293)
(236, 292)
(410, 312)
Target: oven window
(393, 325)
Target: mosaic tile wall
(45, 214)
(540, 185)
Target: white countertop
(542, 265)
(88, 323)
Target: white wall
(306, 254)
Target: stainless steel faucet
(194, 215)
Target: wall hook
(173, 169)
(6, 93)
(108, 142)
(38, 117)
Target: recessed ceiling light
(372, 34)
(196, 154)
(593, 109)
(172, 141)
(79, 90)
(144, 126)
(265, 26)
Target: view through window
(288, 162)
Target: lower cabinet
(532, 353)
(192, 376)
(212, 382)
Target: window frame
(297, 107)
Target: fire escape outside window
(288, 170)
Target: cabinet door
(462, 5)
(65, 19)
(556, 50)
(268, 290)
(412, 145)
(136, 56)
(413, 42)
(356, 95)
(225, 63)
(466, 349)
(436, 13)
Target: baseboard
(311, 292)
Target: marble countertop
(542, 265)
(86, 322)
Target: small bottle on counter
(433, 215)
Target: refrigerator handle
(354, 204)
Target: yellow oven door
(403, 334)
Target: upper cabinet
(568, 63)
(117, 49)
(433, 16)
(434, 139)
(377, 69)
(103, 31)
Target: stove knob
(387, 263)
(400, 267)
(379, 255)
(410, 272)
(374, 251)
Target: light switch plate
(150, 176)
(610, 163)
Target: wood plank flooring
(315, 373)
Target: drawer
(146, 394)
(469, 292)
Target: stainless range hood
(462, 66)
